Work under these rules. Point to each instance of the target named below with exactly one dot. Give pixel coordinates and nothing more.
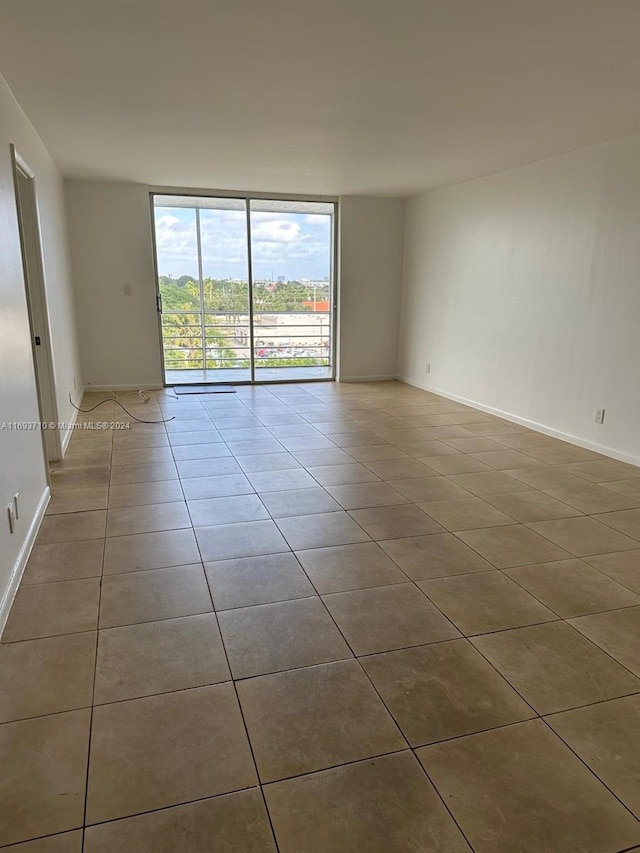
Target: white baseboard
(151, 386)
(612, 452)
(23, 556)
(386, 377)
(66, 436)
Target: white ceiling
(321, 96)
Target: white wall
(523, 291)
(111, 246)
(371, 246)
(22, 467)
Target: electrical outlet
(599, 416)
(11, 512)
(428, 367)
(16, 508)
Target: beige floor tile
(231, 822)
(315, 458)
(380, 805)
(339, 475)
(516, 545)
(394, 522)
(629, 488)
(314, 441)
(220, 486)
(82, 477)
(316, 531)
(47, 676)
(144, 473)
(197, 468)
(313, 718)
(141, 456)
(456, 464)
(443, 691)
(184, 746)
(212, 450)
(572, 588)
(346, 567)
(64, 561)
(478, 444)
(605, 470)
(532, 505)
(563, 454)
(155, 594)
(72, 527)
(626, 521)
(489, 601)
(607, 738)
(139, 494)
(591, 497)
(158, 657)
(44, 767)
(617, 632)
(150, 551)
(150, 518)
(277, 481)
(65, 842)
(546, 477)
(274, 637)
(555, 668)
(399, 469)
(257, 580)
(503, 459)
(227, 510)
(268, 462)
(465, 513)
(387, 617)
(49, 609)
(433, 488)
(623, 567)
(374, 453)
(364, 495)
(77, 500)
(584, 537)
(548, 800)
(434, 556)
(306, 501)
(488, 483)
(356, 439)
(428, 449)
(244, 539)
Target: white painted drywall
(22, 467)
(371, 247)
(523, 292)
(111, 249)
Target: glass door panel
(202, 259)
(179, 288)
(225, 288)
(292, 254)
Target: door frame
(37, 307)
(247, 197)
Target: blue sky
(293, 245)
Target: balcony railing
(194, 340)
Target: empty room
(319, 426)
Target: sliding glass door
(245, 288)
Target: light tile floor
(325, 618)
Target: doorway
(33, 266)
(245, 288)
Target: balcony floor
(263, 374)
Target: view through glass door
(246, 289)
